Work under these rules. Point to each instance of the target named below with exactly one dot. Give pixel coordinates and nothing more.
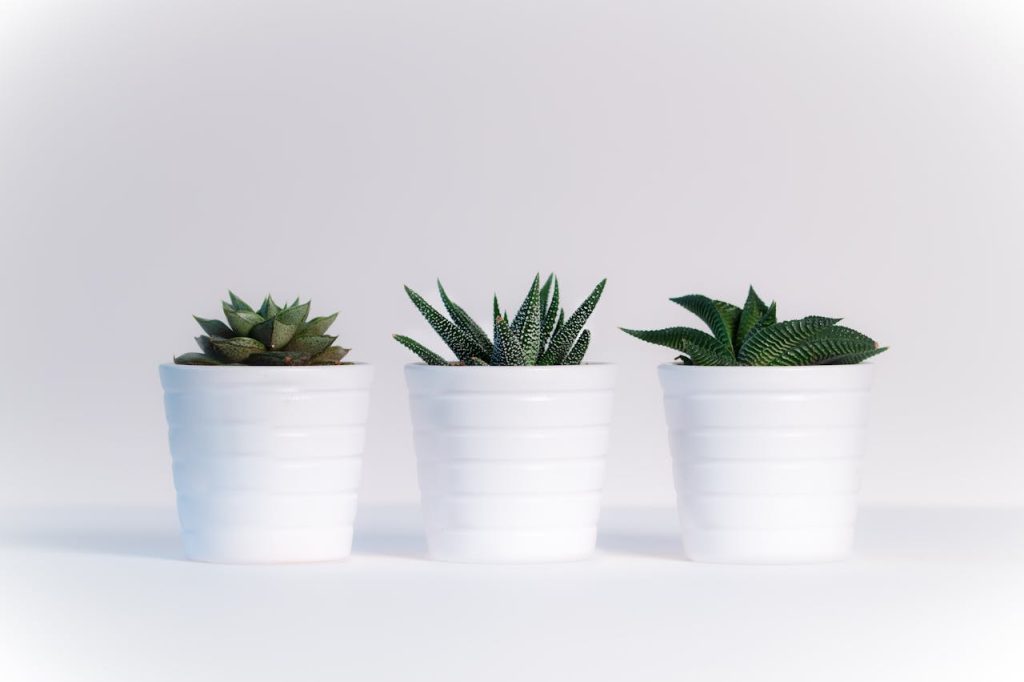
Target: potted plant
(267, 426)
(766, 423)
(511, 437)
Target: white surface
(767, 460)
(511, 460)
(855, 158)
(266, 460)
(104, 595)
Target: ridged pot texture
(267, 460)
(766, 459)
(511, 459)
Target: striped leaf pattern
(752, 335)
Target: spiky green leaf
(428, 356)
(318, 326)
(206, 345)
(721, 317)
(563, 340)
(527, 323)
(242, 321)
(294, 315)
(238, 304)
(553, 316)
(767, 344)
(575, 356)
(214, 327)
(460, 342)
(508, 350)
(753, 310)
(701, 347)
(269, 308)
(460, 317)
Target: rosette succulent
(539, 334)
(271, 335)
(751, 335)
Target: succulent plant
(751, 335)
(271, 335)
(539, 334)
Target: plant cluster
(271, 335)
(751, 335)
(539, 334)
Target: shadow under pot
(511, 460)
(266, 460)
(766, 459)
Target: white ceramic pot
(266, 459)
(766, 459)
(511, 459)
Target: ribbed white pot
(511, 459)
(266, 459)
(766, 459)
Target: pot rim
(769, 368)
(527, 368)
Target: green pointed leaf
(238, 304)
(823, 349)
(721, 317)
(497, 311)
(507, 348)
(295, 315)
(854, 358)
(767, 344)
(269, 308)
(460, 317)
(214, 327)
(331, 356)
(545, 293)
(701, 347)
(575, 356)
(273, 333)
(563, 340)
(196, 359)
(242, 321)
(236, 349)
(527, 323)
(278, 358)
(318, 326)
(460, 342)
(310, 345)
(753, 310)
(428, 356)
(553, 315)
(206, 345)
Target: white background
(857, 159)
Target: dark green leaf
(767, 344)
(278, 358)
(310, 345)
(562, 341)
(318, 326)
(215, 327)
(294, 315)
(721, 317)
(196, 359)
(242, 321)
(460, 317)
(331, 356)
(507, 348)
(238, 304)
(702, 348)
(460, 342)
(273, 333)
(237, 349)
(428, 356)
(575, 356)
(527, 323)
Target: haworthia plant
(271, 335)
(752, 335)
(539, 334)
